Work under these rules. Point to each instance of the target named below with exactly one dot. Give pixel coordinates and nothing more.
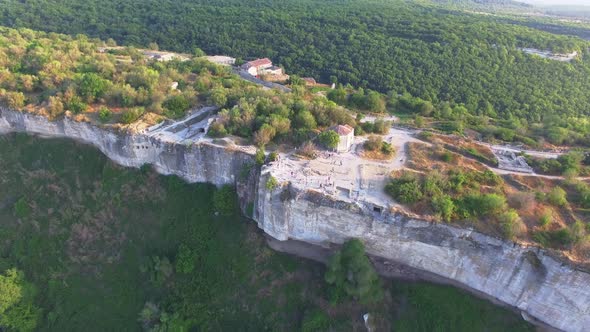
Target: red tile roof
(259, 62)
(342, 130)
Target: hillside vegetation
(397, 46)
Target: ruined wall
(526, 278)
(201, 162)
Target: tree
(17, 311)
(92, 86)
(225, 201)
(218, 97)
(375, 102)
(176, 106)
(185, 259)
(305, 120)
(350, 271)
(329, 139)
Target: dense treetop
(430, 52)
(50, 74)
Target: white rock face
(526, 278)
(201, 162)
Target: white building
(222, 60)
(346, 134)
(258, 67)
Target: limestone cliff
(195, 162)
(526, 278)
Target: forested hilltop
(389, 46)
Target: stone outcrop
(526, 278)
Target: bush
(273, 156)
(444, 206)
(130, 116)
(21, 208)
(271, 183)
(546, 218)
(176, 106)
(104, 114)
(315, 320)
(76, 105)
(447, 157)
(373, 143)
(512, 225)
(483, 205)
(217, 129)
(557, 238)
(387, 149)
(260, 156)
(406, 190)
(557, 196)
(308, 150)
(225, 201)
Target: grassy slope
(92, 227)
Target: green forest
(390, 46)
(88, 245)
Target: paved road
(270, 85)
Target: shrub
(315, 320)
(387, 149)
(273, 156)
(217, 129)
(546, 218)
(373, 143)
(176, 106)
(483, 205)
(557, 238)
(130, 116)
(76, 105)
(21, 208)
(92, 86)
(308, 150)
(329, 139)
(260, 156)
(225, 201)
(271, 183)
(512, 225)
(406, 190)
(444, 206)
(447, 157)
(104, 114)
(578, 231)
(557, 196)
